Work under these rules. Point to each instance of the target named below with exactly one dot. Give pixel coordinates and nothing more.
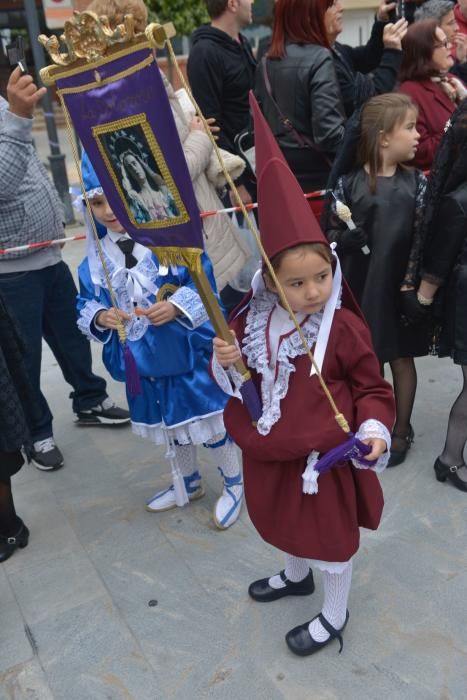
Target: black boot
(9, 544)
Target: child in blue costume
(171, 340)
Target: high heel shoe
(9, 544)
(398, 456)
(444, 471)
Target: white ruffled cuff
(374, 429)
(229, 380)
(86, 322)
(188, 301)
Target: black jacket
(221, 73)
(365, 71)
(445, 263)
(304, 85)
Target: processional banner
(122, 115)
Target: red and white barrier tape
(82, 237)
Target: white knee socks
(296, 569)
(186, 459)
(336, 595)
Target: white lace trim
(190, 304)
(196, 431)
(372, 428)
(228, 380)
(86, 318)
(255, 350)
(131, 285)
(332, 567)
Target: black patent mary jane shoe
(300, 641)
(262, 592)
(9, 544)
(444, 471)
(398, 456)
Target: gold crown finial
(86, 36)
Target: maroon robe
(323, 525)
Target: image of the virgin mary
(145, 189)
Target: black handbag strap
(301, 139)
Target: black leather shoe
(301, 642)
(9, 544)
(398, 456)
(262, 592)
(444, 471)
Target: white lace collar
(256, 351)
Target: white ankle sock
(296, 569)
(336, 596)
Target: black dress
(445, 264)
(390, 218)
(17, 403)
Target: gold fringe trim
(173, 256)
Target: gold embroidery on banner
(50, 74)
(166, 291)
(112, 78)
(155, 150)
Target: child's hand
(226, 355)
(162, 312)
(377, 445)
(108, 319)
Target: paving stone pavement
(75, 619)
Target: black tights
(404, 377)
(9, 521)
(456, 437)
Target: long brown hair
(380, 115)
(298, 22)
(417, 51)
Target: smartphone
(16, 55)
(398, 12)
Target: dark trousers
(43, 303)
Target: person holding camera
(35, 283)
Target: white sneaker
(165, 500)
(229, 505)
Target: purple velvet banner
(123, 117)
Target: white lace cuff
(187, 300)
(229, 380)
(88, 327)
(374, 429)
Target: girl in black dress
(444, 276)
(17, 408)
(379, 257)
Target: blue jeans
(43, 303)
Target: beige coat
(226, 249)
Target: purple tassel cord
(353, 448)
(133, 382)
(251, 400)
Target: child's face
(306, 279)
(401, 143)
(104, 214)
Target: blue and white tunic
(179, 398)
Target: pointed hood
(285, 217)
